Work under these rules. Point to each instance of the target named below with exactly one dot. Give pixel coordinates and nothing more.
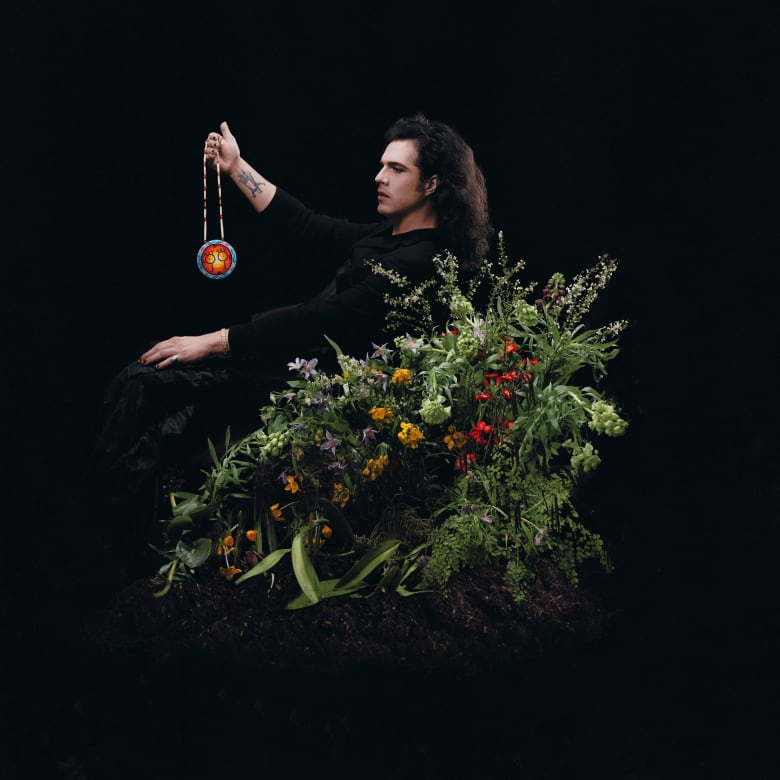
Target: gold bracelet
(223, 334)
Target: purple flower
(306, 367)
(381, 352)
(381, 379)
(368, 434)
(411, 344)
(331, 442)
(320, 402)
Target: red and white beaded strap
(205, 206)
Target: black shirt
(351, 309)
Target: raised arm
(222, 148)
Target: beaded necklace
(216, 258)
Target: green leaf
(213, 452)
(344, 535)
(194, 556)
(303, 568)
(402, 591)
(168, 580)
(334, 345)
(369, 562)
(263, 566)
(328, 590)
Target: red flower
(481, 433)
(462, 461)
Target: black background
(642, 130)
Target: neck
(416, 220)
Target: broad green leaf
(402, 591)
(370, 561)
(194, 556)
(303, 568)
(263, 566)
(328, 590)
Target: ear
(431, 185)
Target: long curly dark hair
(461, 197)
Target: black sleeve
(286, 215)
(351, 313)
(352, 318)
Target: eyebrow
(393, 162)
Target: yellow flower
(410, 435)
(374, 467)
(381, 414)
(401, 376)
(292, 485)
(228, 572)
(276, 512)
(251, 535)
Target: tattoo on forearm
(255, 187)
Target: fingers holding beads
(212, 146)
(221, 149)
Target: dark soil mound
(477, 622)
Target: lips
(382, 194)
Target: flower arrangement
(441, 449)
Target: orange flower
(410, 435)
(292, 485)
(229, 541)
(251, 535)
(401, 376)
(455, 439)
(276, 512)
(228, 572)
(326, 531)
(340, 494)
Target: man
(431, 197)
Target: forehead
(403, 151)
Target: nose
(381, 177)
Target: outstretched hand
(222, 148)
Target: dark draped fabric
(155, 421)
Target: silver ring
(174, 358)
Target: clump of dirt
(477, 622)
